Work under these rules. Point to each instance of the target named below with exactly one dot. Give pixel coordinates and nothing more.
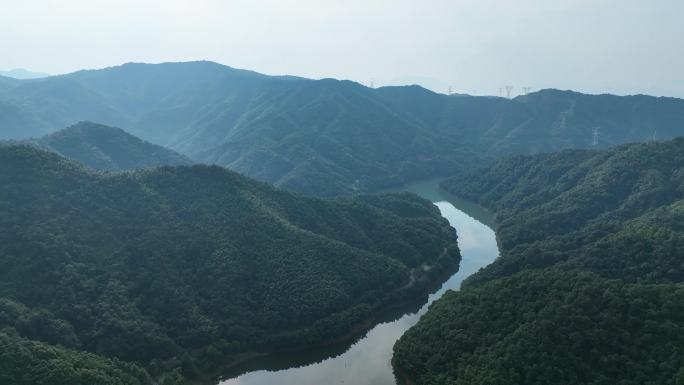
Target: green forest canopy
(178, 268)
(589, 285)
(107, 148)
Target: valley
(367, 360)
(305, 192)
(227, 232)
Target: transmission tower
(508, 91)
(526, 90)
(595, 136)
(450, 90)
(372, 84)
(563, 120)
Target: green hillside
(325, 137)
(589, 285)
(617, 212)
(108, 148)
(24, 361)
(549, 326)
(174, 270)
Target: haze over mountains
(325, 137)
(20, 73)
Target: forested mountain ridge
(548, 326)
(182, 267)
(107, 148)
(589, 285)
(568, 206)
(325, 137)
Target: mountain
(174, 271)
(6, 82)
(576, 203)
(590, 284)
(326, 137)
(108, 148)
(118, 96)
(20, 73)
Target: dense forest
(107, 148)
(324, 137)
(617, 212)
(121, 278)
(24, 361)
(589, 285)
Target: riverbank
(402, 377)
(367, 360)
(243, 362)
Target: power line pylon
(595, 136)
(508, 91)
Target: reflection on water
(367, 362)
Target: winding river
(367, 361)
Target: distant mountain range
(325, 137)
(20, 73)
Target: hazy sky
(618, 46)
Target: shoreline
(357, 331)
(275, 360)
(400, 375)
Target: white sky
(617, 46)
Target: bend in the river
(367, 361)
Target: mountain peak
(174, 70)
(88, 126)
(108, 148)
(21, 73)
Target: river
(367, 361)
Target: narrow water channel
(367, 362)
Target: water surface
(367, 361)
